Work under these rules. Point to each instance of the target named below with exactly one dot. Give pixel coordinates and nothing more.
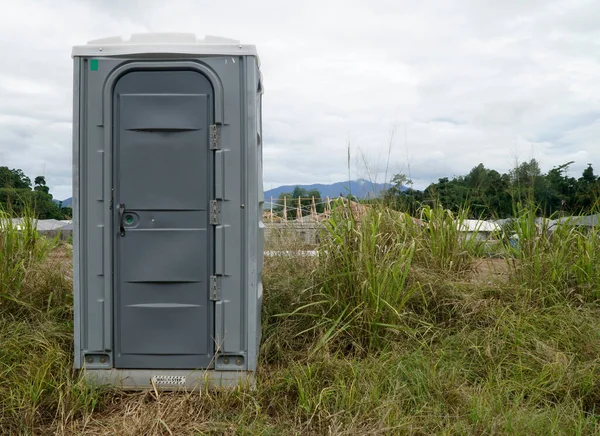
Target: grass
(444, 246)
(555, 264)
(360, 286)
(392, 329)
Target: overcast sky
(460, 82)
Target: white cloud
(469, 81)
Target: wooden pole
(271, 210)
(299, 211)
(327, 206)
(285, 209)
(313, 209)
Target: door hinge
(215, 289)
(215, 213)
(215, 137)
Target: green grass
(391, 330)
(555, 265)
(444, 247)
(360, 289)
(36, 332)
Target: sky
(429, 89)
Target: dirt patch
(490, 269)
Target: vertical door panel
(163, 176)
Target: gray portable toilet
(167, 210)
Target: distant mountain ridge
(360, 188)
(65, 203)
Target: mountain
(65, 203)
(360, 188)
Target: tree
(400, 197)
(45, 207)
(20, 180)
(526, 179)
(588, 190)
(298, 192)
(484, 199)
(498, 195)
(40, 185)
(16, 196)
(14, 178)
(451, 194)
(588, 177)
(558, 192)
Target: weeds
(20, 248)
(555, 261)
(447, 244)
(387, 331)
(36, 331)
(361, 284)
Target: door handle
(121, 219)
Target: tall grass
(554, 262)
(361, 283)
(35, 331)
(447, 244)
(384, 332)
(20, 248)
(586, 263)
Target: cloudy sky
(448, 84)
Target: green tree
(476, 184)
(399, 197)
(299, 192)
(16, 195)
(498, 195)
(451, 194)
(526, 179)
(557, 193)
(40, 185)
(44, 207)
(588, 190)
(14, 178)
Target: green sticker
(93, 64)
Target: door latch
(121, 219)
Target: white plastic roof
(42, 225)
(478, 226)
(164, 43)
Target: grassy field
(398, 327)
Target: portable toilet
(167, 210)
